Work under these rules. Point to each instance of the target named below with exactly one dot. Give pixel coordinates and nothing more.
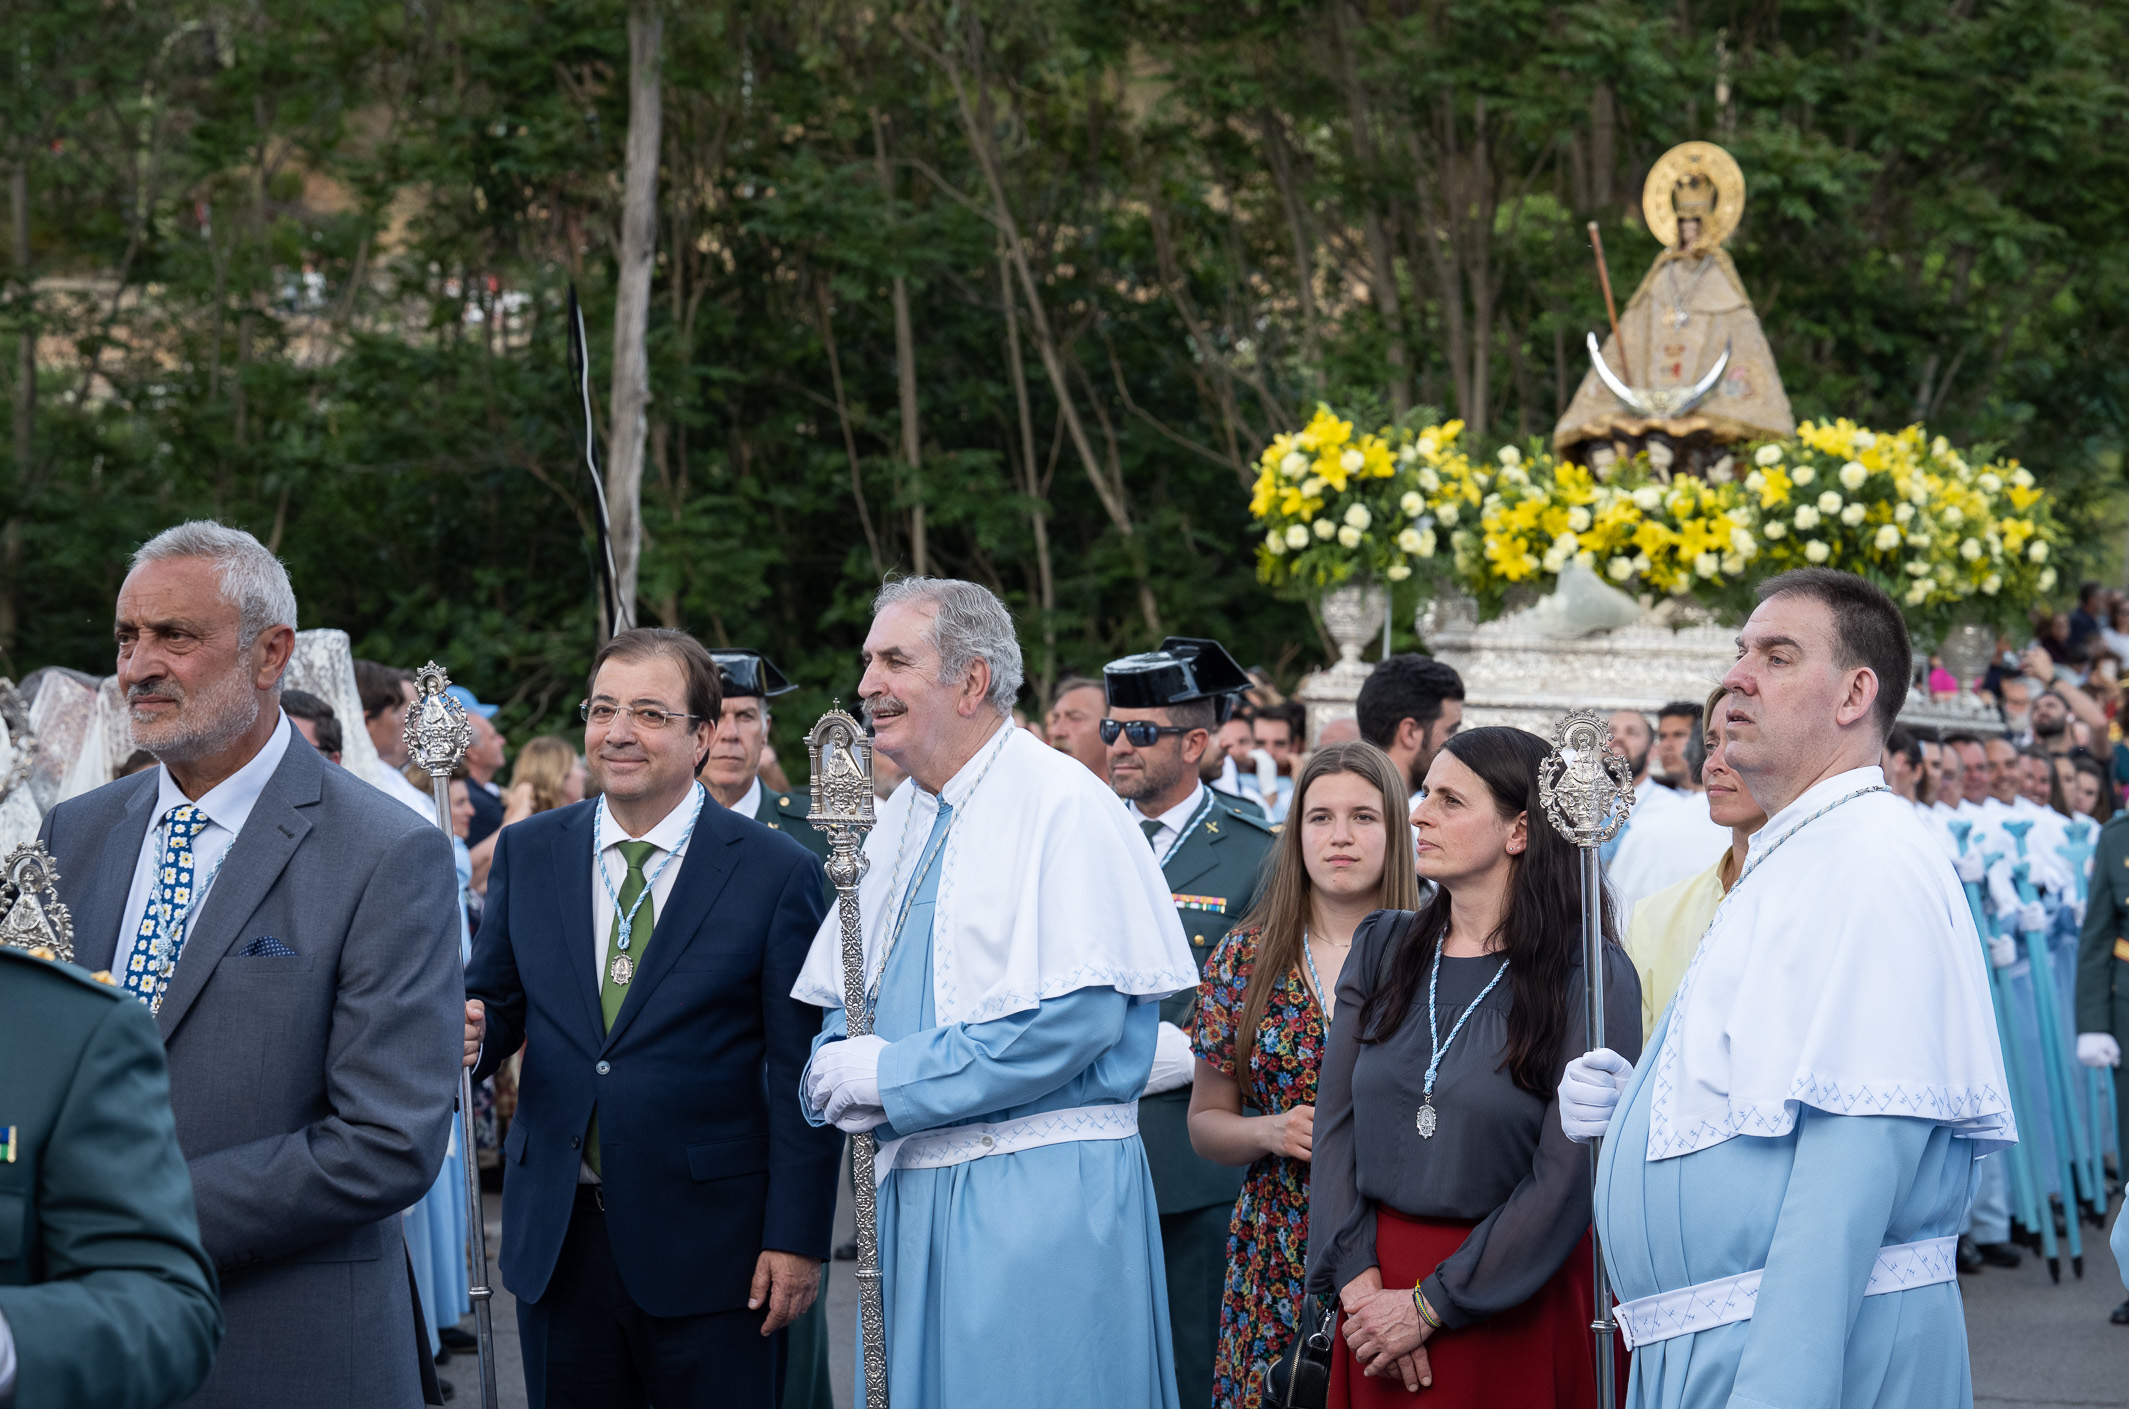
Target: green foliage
(301, 266)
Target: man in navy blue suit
(666, 1207)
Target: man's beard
(204, 723)
(1152, 780)
(2054, 729)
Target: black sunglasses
(1141, 732)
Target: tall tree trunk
(905, 371)
(18, 193)
(629, 427)
(1031, 483)
(1382, 259)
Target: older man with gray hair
(1018, 939)
(295, 934)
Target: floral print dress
(1267, 1239)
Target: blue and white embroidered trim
(1727, 1300)
(958, 1144)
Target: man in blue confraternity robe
(1018, 939)
(1785, 1174)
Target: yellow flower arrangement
(1950, 538)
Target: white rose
(1970, 550)
(1918, 540)
(1326, 529)
(1888, 539)
(2047, 580)
(1566, 543)
(1429, 481)
(1767, 455)
(1918, 569)
(1807, 517)
(1940, 447)
(1755, 481)
(1854, 514)
(2022, 477)
(1919, 593)
(1648, 498)
(1829, 503)
(1447, 514)
(1275, 543)
(1297, 536)
(1313, 485)
(1408, 541)
(1816, 551)
(1990, 484)
(1804, 474)
(1722, 471)
(1510, 456)
(1741, 541)
(1578, 519)
(1411, 504)
(1352, 461)
(1733, 563)
(1619, 569)
(1852, 475)
(1397, 572)
(1429, 446)
(1707, 564)
(1952, 516)
(1902, 513)
(1295, 465)
(1426, 543)
(1407, 454)
(1349, 537)
(1992, 584)
(1641, 562)
(2039, 551)
(1359, 517)
(1775, 529)
(1863, 440)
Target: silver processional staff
(840, 754)
(1587, 791)
(438, 735)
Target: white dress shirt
(662, 874)
(749, 804)
(227, 804)
(1174, 822)
(395, 785)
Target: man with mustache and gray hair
(295, 935)
(1018, 940)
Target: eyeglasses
(1141, 732)
(604, 715)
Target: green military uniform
(786, 813)
(108, 1295)
(1213, 871)
(2103, 955)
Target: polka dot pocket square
(266, 947)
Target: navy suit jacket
(706, 1156)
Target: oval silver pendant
(1427, 1121)
(621, 970)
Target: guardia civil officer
(732, 772)
(107, 1298)
(1163, 707)
(2103, 974)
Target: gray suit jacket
(313, 1093)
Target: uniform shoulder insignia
(1248, 817)
(784, 801)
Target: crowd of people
(1209, 1063)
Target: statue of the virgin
(1688, 371)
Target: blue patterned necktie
(161, 936)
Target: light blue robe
(1812, 1207)
(436, 1227)
(1032, 1278)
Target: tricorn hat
(750, 673)
(1185, 668)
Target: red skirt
(1535, 1356)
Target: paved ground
(2035, 1345)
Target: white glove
(2098, 1049)
(1589, 1092)
(856, 1120)
(1971, 868)
(1174, 1064)
(846, 1074)
(2003, 952)
(2033, 918)
(2077, 912)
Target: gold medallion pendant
(1427, 1120)
(621, 970)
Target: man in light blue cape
(1786, 1173)
(1018, 939)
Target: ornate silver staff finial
(438, 733)
(840, 753)
(35, 919)
(1586, 789)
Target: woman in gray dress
(1449, 1214)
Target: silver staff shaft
(438, 735)
(1593, 967)
(840, 753)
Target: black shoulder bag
(1301, 1377)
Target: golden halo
(1691, 159)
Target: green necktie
(611, 994)
(1152, 828)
